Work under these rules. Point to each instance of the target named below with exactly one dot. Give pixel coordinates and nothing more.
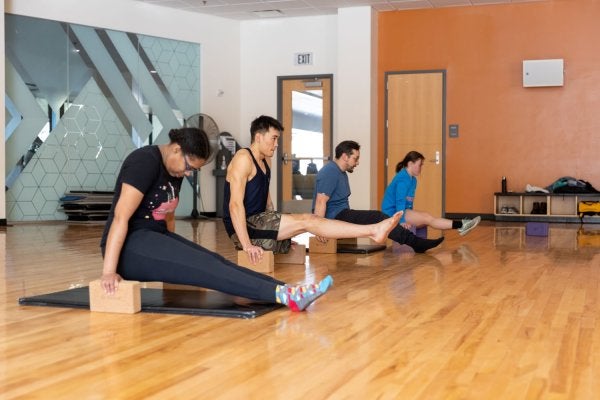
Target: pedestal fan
(208, 125)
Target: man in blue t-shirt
(332, 193)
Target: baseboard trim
(485, 217)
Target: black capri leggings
(167, 257)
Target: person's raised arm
(170, 221)
(269, 206)
(128, 202)
(401, 194)
(321, 204)
(402, 189)
(320, 210)
(238, 173)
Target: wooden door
(305, 111)
(415, 121)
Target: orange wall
(529, 135)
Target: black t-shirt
(144, 170)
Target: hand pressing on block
(264, 265)
(124, 298)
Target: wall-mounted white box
(540, 73)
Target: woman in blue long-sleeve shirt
(400, 195)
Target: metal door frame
(280, 81)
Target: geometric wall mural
(84, 151)
(78, 100)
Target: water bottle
(504, 185)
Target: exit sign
(303, 59)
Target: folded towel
(537, 189)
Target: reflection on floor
(560, 236)
(495, 314)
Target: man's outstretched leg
(295, 224)
(398, 234)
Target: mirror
(307, 130)
(79, 99)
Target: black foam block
(359, 248)
(189, 302)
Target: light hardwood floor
(492, 315)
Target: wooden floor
(492, 315)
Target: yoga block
(176, 286)
(421, 232)
(126, 300)
(536, 229)
(151, 285)
(316, 247)
(265, 265)
(296, 255)
(168, 286)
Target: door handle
(436, 160)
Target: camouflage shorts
(267, 222)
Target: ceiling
(258, 9)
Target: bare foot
(383, 228)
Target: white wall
(342, 45)
(267, 51)
(220, 53)
(356, 104)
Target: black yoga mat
(189, 302)
(359, 248)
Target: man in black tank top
(248, 213)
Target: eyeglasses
(188, 167)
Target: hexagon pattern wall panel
(143, 82)
(178, 66)
(83, 152)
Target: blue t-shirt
(400, 194)
(333, 182)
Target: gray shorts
(263, 229)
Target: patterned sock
(298, 297)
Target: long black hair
(413, 156)
(193, 141)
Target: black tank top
(255, 197)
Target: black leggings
(365, 217)
(167, 257)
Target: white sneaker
(468, 225)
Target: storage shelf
(560, 207)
